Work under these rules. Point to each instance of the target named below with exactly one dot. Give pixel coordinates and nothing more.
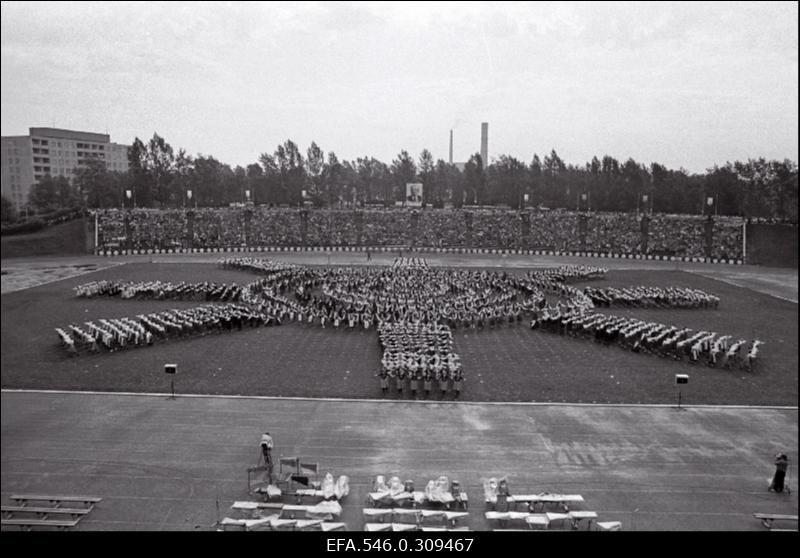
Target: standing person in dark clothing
(781, 465)
(266, 453)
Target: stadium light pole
(744, 240)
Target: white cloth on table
(245, 506)
(439, 491)
(306, 523)
(537, 519)
(378, 527)
(376, 512)
(342, 487)
(332, 526)
(331, 507)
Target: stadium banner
(413, 194)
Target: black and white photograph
(398, 276)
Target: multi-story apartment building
(27, 159)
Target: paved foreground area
(19, 275)
(163, 464)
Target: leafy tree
(334, 180)
(403, 171)
(426, 175)
(554, 193)
(507, 177)
(140, 186)
(53, 193)
(207, 181)
(475, 181)
(256, 183)
(349, 179)
(160, 165)
(535, 184)
(8, 213)
(181, 180)
(96, 184)
(315, 167)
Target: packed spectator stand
(680, 236)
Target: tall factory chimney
(451, 147)
(485, 143)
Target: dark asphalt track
(163, 465)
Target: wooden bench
(10, 511)
(768, 518)
(29, 524)
(55, 501)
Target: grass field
(508, 364)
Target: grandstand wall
(772, 244)
(70, 238)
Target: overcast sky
(687, 85)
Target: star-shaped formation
(415, 309)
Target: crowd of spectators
(611, 233)
(274, 227)
(552, 230)
(443, 229)
(677, 235)
(728, 233)
(332, 228)
(496, 229)
(386, 228)
(145, 228)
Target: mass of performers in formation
(419, 356)
(415, 308)
(652, 297)
(651, 337)
(160, 290)
(146, 329)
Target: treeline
(160, 177)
